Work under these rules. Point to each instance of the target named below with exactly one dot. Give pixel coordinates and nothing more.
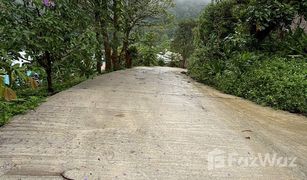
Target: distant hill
(187, 9)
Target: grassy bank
(29, 99)
(267, 80)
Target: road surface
(152, 123)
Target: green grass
(29, 99)
(267, 80)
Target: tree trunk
(99, 63)
(48, 69)
(115, 59)
(260, 35)
(107, 50)
(105, 36)
(99, 50)
(99, 58)
(128, 59)
(46, 62)
(183, 62)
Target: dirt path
(152, 123)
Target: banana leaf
(9, 94)
(33, 84)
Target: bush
(207, 62)
(161, 62)
(246, 48)
(277, 82)
(217, 19)
(273, 81)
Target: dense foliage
(256, 50)
(68, 40)
(183, 42)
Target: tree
(148, 49)
(106, 18)
(115, 21)
(116, 14)
(61, 33)
(54, 29)
(217, 20)
(13, 33)
(137, 14)
(45, 31)
(98, 12)
(183, 41)
(266, 16)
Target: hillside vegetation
(254, 49)
(68, 42)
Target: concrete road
(152, 123)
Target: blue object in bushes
(6, 80)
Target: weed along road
(152, 123)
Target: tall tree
(183, 42)
(265, 16)
(116, 12)
(47, 30)
(99, 13)
(137, 14)
(13, 33)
